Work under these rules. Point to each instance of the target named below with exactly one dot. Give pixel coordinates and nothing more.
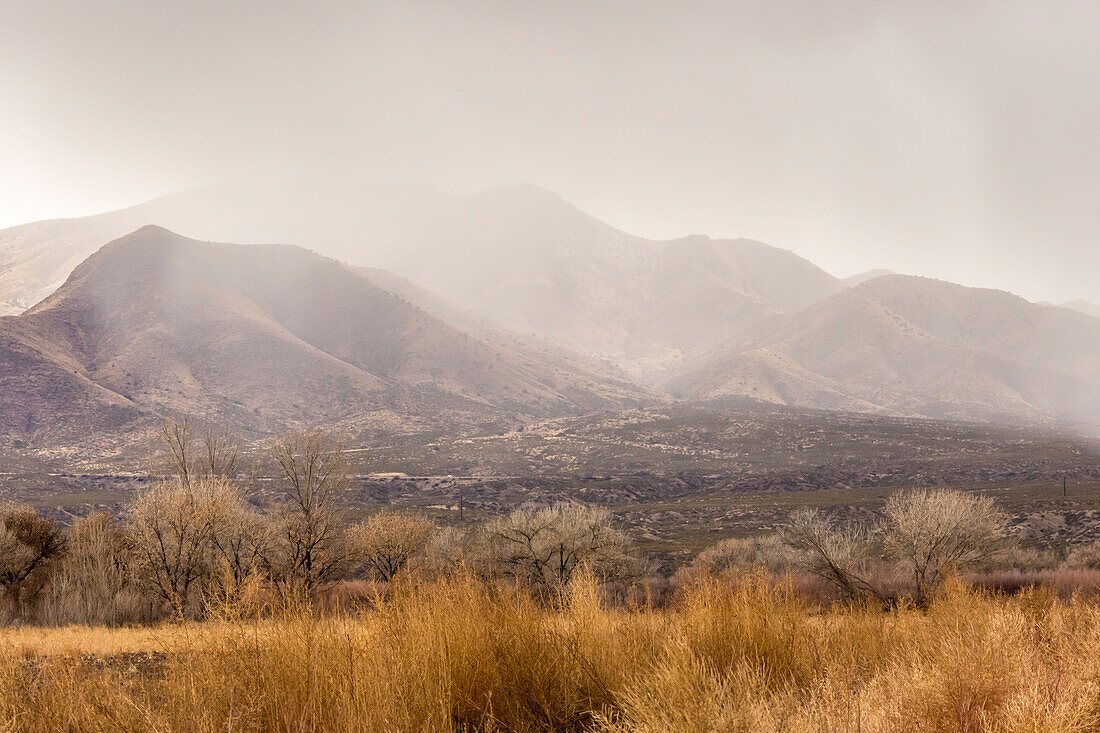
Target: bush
(836, 554)
(96, 581)
(387, 541)
(30, 546)
(1028, 559)
(544, 548)
(930, 531)
(1085, 557)
(741, 556)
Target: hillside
(1084, 306)
(914, 346)
(263, 338)
(519, 256)
(535, 264)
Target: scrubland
(201, 610)
(462, 654)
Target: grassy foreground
(461, 655)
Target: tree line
(197, 541)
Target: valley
(679, 477)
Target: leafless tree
(221, 454)
(932, 530)
(388, 540)
(311, 539)
(545, 547)
(217, 457)
(174, 527)
(832, 552)
(29, 546)
(176, 433)
(241, 546)
(95, 583)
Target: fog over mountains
(264, 338)
(520, 256)
(508, 305)
(915, 346)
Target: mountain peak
(268, 337)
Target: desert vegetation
(459, 653)
(200, 609)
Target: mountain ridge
(520, 256)
(267, 337)
(918, 347)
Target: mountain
(862, 277)
(264, 338)
(36, 258)
(518, 256)
(918, 347)
(1084, 306)
(535, 264)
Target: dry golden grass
(460, 655)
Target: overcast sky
(957, 139)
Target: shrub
(544, 547)
(740, 556)
(1085, 557)
(1028, 559)
(30, 546)
(836, 554)
(96, 582)
(930, 531)
(386, 542)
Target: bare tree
(241, 546)
(174, 526)
(95, 583)
(29, 546)
(221, 454)
(218, 457)
(177, 437)
(544, 547)
(311, 538)
(932, 530)
(834, 553)
(388, 540)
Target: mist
(955, 141)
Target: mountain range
(915, 346)
(416, 310)
(264, 338)
(518, 256)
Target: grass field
(460, 655)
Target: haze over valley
(398, 309)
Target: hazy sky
(959, 139)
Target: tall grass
(460, 654)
